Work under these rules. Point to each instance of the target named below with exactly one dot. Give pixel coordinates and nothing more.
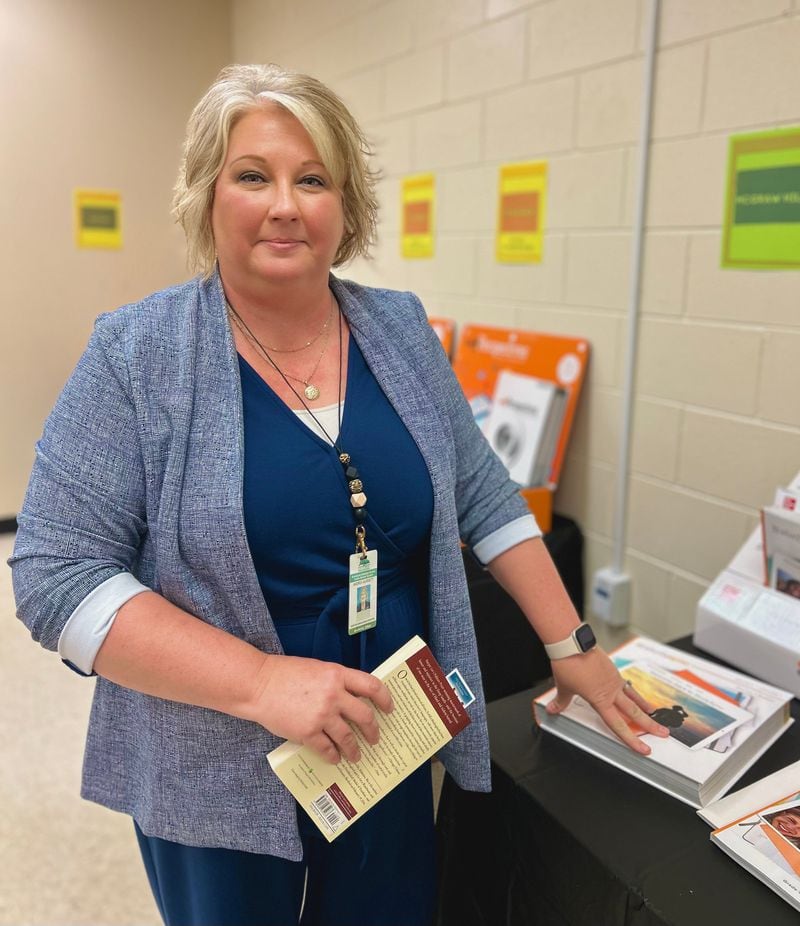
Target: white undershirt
(328, 418)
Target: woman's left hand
(594, 677)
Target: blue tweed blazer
(140, 469)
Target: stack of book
(720, 721)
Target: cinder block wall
(458, 87)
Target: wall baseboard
(8, 525)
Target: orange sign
(519, 212)
(417, 218)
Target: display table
(567, 840)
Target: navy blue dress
(300, 529)
(300, 524)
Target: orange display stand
(484, 351)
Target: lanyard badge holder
(362, 606)
(362, 603)
(363, 581)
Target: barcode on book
(329, 813)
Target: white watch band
(562, 649)
(570, 646)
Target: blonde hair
(241, 88)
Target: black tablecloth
(568, 840)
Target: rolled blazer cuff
(524, 528)
(87, 626)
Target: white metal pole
(634, 294)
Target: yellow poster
(521, 212)
(98, 219)
(418, 208)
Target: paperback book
(720, 721)
(759, 827)
(524, 424)
(429, 710)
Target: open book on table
(428, 713)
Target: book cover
(525, 418)
(781, 535)
(759, 828)
(740, 803)
(720, 721)
(427, 715)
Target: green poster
(762, 204)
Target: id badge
(362, 608)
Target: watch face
(584, 637)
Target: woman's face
(276, 216)
(788, 824)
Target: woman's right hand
(309, 701)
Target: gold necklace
(317, 336)
(310, 390)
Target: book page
(427, 715)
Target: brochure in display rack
(758, 827)
(524, 424)
(520, 379)
(429, 710)
(485, 352)
(720, 721)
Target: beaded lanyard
(358, 499)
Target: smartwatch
(581, 640)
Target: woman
(221, 451)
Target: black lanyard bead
(358, 499)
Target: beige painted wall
(93, 94)
(458, 87)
